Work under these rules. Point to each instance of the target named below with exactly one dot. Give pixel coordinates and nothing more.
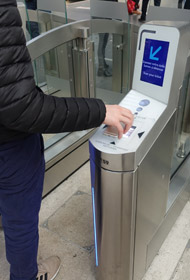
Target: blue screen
(154, 62)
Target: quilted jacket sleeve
(23, 106)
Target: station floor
(66, 230)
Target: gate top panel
(109, 9)
(49, 5)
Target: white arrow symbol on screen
(152, 54)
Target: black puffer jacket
(24, 108)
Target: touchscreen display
(154, 61)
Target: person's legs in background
(32, 26)
(180, 2)
(144, 10)
(102, 65)
(187, 5)
(21, 184)
(157, 2)
(31, 4)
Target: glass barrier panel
(43, 15)
(78, 10)
(111, 49)
(23, 13)
(182, 146)
(55, 67)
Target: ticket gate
(138, 189)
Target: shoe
(106, 66)
(107, 73)
(49, 268)
(100, 72)
(104, 72)
(142, 19)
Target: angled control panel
(146, 111)
(148, 100)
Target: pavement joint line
(175, 269)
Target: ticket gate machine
(131, 177)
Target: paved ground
(66, 230)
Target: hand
(116, 114)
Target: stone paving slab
(4, 266)
(73, 221)
(182, 271)
(77, 263)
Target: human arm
(24, 108)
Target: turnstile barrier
(135, 201)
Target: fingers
(116, 116)
(120, 130)
(123, 127)
(126, 115)
(127, 121)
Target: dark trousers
(103, 40)
(145, 5)
(32, 26)
(21, 183)
(31, 4)
(180, 4)
(187, 5)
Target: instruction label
(154, 61)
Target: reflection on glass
(103, 66)
(108, 67)
(52, 74)
(111, 52)
(32, 26)
(145, 7)
(40, 21)
(182, 148)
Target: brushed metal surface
(129, 53)
(153, 188)
(115, 204)
(167, 13)
(105, 10)
(186, 117)
(182, 145)
(50, 5)
(181, 183)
